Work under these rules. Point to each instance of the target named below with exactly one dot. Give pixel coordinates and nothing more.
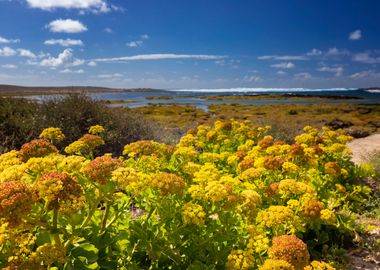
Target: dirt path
(363, 147)
(362, 258)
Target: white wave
(374, 91)
(260, 90)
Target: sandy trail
(362, 148)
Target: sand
(362, 148)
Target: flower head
(193, 213)
(36, 148)
(16, 200)
(240, 260)
(291, 249)
(96, 130)
(52, 134)
(100, 169)
(57, 188)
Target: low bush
(22, 120)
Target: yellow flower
(193, 213)
(290, 167)
(9, 159)
(168, 183)
(240, 260)
(270, 264)
(319, 265)
(47, 254)
(328, 216)
(95, 130)
(52, 134)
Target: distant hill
(11, 90)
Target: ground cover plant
(227, 196)
(286, 119)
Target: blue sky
(190, 44)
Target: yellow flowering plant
(227, 196)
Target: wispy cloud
(108, 30)
(161, 57)
(283, 57)
(303, 76)
(366, 58)
(337, 70)
(252, 78)
(356, 35)
(70, 71)
(7, 40)
(366, 74)
(285, 65)
(66, 26)
(135, 44)
(64, 42)
(92, 5)
(9, 66)
(334, 51)
(314, 52)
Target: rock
(356, 133)
(375, 124)
(337, 124)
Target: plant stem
(105, 217)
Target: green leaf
(87, 250)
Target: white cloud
(161, 57)
(281, 72)
(287, 65)
(67, 70)
(337, 70)
(65, 58)
(283, 57)
(134, 44)
(366, 58)
(108, 30)
(302, 76)
(144, 36)
(314, 52)
(6, 40)
(92, 64)
(336, 52)
(366, 74)
(64, 42)
(252, 78)
(356, 35)
(66, 26)
(10, 66)
(7, 51)
(110, 76)
(92, 5)
(26, 53)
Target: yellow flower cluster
(193, 213)
(52, 134)
(291, 249)
(278, 218)
(168, 183)
(291, 187)
(240, 260)
(48, 254)
(96, 130)
(319, 265)
(328, 216)
(271, 264)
